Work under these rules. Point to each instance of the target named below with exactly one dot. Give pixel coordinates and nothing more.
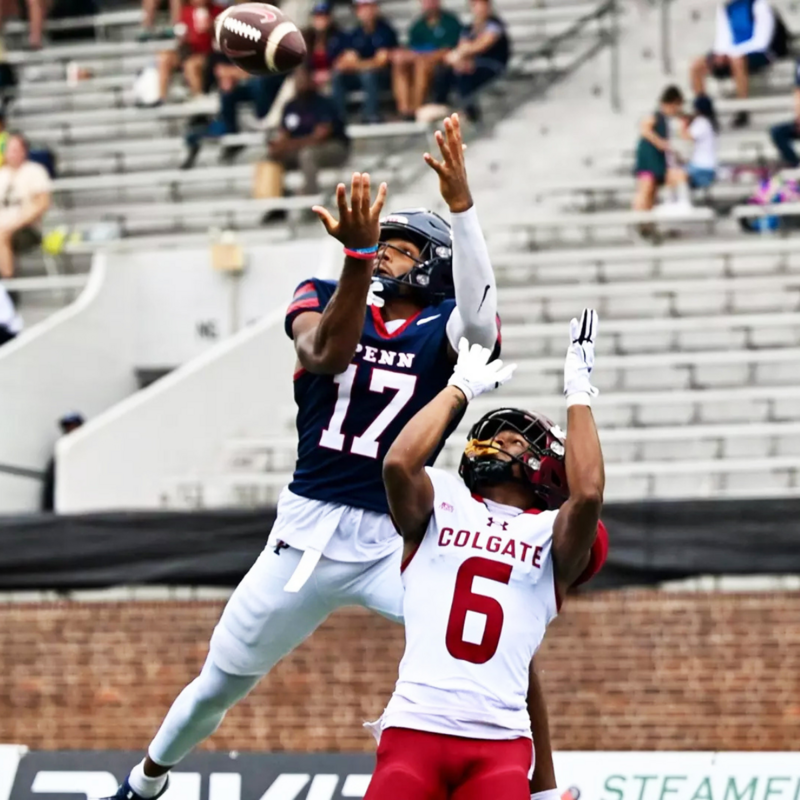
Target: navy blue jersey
(347, 422)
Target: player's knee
(216, 691)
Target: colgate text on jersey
(505, 546)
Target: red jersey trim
(305, 288)
(298, 373)
(380, 325)
(408, 559)
(597, 555)
(309, 304)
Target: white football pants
(261, 624)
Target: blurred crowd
(366, 71)
(678, 151)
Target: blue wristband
(363, 251)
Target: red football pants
(416, 765)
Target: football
(260, 39)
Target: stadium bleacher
(700, 315)
(701, 333)
(687, 642)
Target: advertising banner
(75, 775)
(679, 776)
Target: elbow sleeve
(476, 293)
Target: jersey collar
(380, 325)
(526, 511)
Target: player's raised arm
(408, 487)
(575, 526)
(475, 315)
(326, 342)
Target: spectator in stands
(701, 169)
(236, 88)
(68, 423)
(4, 134)
(25, 189)
(10, 321)
(747, 41)
(433, 35)
(36, 13)
(364, 60)
(324, 43)
(150, 8)
(701, 129)
(196, 31)
(312, 134)
(786, 132)
(651, 152)
(481, 56)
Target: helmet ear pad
(549, 477)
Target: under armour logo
(503, 525)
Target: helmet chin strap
(394, 288)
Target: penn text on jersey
(377, 355)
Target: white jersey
(479, 594)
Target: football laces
(241, 29)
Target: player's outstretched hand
(451, 170)
(358, 226)
(475, 374)
(580, 355)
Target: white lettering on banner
(10, 755)
(680, 776)
(286, 787)
(596, 776)
(90, 784)
(322, 787)
(356, 785)
(225, 786)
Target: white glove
(474, 374)
(578, 367)
(547, 794)
(374, 295)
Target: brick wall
(625, 670)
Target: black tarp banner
(650, 542)
(329, 776)
(74, 775)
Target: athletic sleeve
(475, 315)
(306, 298)
(598, 556)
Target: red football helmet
(542, 463)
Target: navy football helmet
(542, 463)
(430, 280)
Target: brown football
(260, 39)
